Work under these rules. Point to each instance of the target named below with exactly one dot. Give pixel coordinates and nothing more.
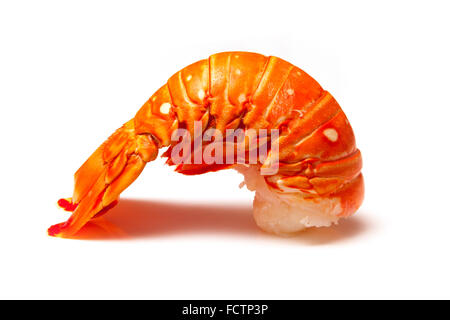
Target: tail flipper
(102, 178)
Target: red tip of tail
(58, 228)
(67, 205)
(55, 229)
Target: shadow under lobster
(137, 219)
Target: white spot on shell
(242, 98)
(300, 113)
(154, 98)
(290, 92)
(236, 56)
(165, 108)
(201, 94)
(188, 78)
(331, 134)
(238, 72)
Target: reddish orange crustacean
(318, 180)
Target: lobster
(318, 176)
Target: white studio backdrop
(73, 72)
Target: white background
(73, 72)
